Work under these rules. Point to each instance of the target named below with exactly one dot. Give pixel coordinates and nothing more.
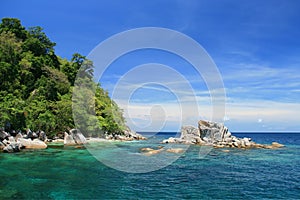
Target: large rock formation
(211, 132)
(217, 135)
(189, 135)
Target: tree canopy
(36, 85)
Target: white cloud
(238, 112)
(259, 97)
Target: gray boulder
(1, 146)
(32, 144)
(11, 139)
(190, 135)
(3, 135)
(19, 135)
(38, 144)
(78, 137)
(212, 131)
(69, 140)
(5, 142)
(42, 136)
(31, 134)
(13, 147)
(9, 149)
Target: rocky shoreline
(39, 140)
(29, 140)
(207, 133)
(216, 135)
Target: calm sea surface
(69, 173)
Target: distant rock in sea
(128, 135)
(217, 135)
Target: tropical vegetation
(36, 86)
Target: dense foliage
(36, 85)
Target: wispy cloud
(254, 95)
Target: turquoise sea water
(69, 173)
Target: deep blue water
(69, 173)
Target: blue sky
(255, 45)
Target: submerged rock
(277, 145)
(175, 150)
(150, 151)
(274, 145)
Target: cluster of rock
(39, 140)
(128, 135)
(75, 137)
(30, 140)
(217, 135)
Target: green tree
(36, 86)
(10, 47)
(13, 25)
(71, 69)
(38, 43)
(12, 111)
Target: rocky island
(216, 135)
